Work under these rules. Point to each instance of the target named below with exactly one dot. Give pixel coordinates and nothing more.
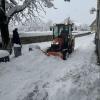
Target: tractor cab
(63, 40)
(57, 29)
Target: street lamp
(93, 10)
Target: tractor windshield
(58, 29)
(55, 31)
(61, 28)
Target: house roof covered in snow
(93, 23)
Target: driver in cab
(64, 33)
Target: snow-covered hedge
(4, 56)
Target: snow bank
(33, 33)
(80, 32)
(3, 53)
(43, 33)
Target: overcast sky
(77, 10)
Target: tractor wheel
(72, 46)
(70, 51)
(64, 55)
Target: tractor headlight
(57, 43)
(54, 42)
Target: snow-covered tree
(19, 10)
(31, 25)
(25, 7)
(85, 27)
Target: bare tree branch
(14, 2)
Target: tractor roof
(62, 24)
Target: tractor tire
(64, 55)
(70, 51)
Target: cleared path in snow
(34, 76)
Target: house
(93, 26)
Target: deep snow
(34, 76)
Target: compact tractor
(63, 41)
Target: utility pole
(97, 37)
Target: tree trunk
(4, 26)
(3, 4)
(5, 35)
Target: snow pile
(16, 45)
(35, 76)
(32, 47)
(3, 53)
(80, 32)
(35, 33)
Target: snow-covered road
(34, 76)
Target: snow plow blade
(58, 54)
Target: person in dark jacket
(16, 43)
(64, 33)
(16, 39)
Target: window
(55, 31)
